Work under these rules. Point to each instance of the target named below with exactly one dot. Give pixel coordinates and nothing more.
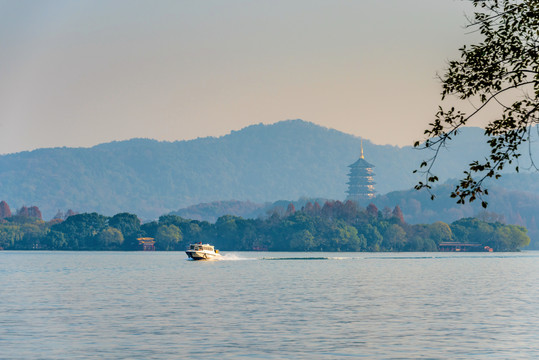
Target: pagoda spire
(362, 157)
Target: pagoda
(360, 184)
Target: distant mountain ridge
(260, 163)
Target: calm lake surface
(120, 305)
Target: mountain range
(260, 163)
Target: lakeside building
(146, 243)
(361, 182)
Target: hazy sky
(79, 73)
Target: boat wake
(308, 258)
(234, 257)
(427, 256)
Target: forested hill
(260, 163)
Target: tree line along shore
(335, 226)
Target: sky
(80, 73)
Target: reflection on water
(105, 305)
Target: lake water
(257, 305)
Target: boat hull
(202, 255)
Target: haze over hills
(260, 163)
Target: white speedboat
(201, 251)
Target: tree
(33, 235)
(394, 238)
(168, 237)
(508, 238)
(316, 208)
(128, 224)
(55, 240)
(302, 241)
(440, 232)
(80, 230)
(9, 235)
(172, 220)
(23, 212)
(337, 235)
(387, 213)
(372, 210)
(5, 211)
(290, 210)
(397, 213)
(109, 238)
(501, 70)
(35, 212)
(309, 208)
(372, 236)
(349, 211)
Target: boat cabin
(201, 247)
